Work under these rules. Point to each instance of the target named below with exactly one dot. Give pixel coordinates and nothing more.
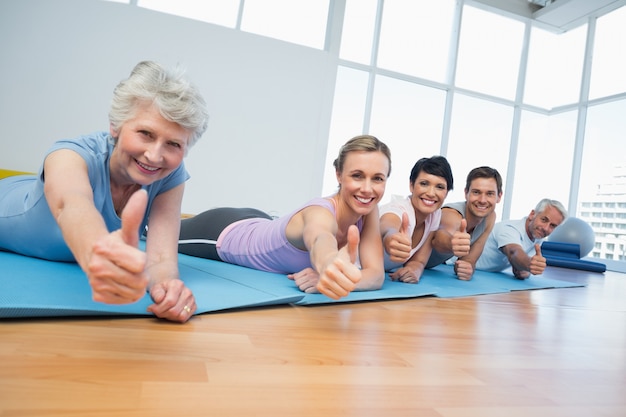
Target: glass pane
(347, 118)
(408, 118)
(302, 22)
(555, 64)
(220, 12)
(603, 179)
(489, 53)
(480, 133)
(609, 66)
(415, 37)
(543, 164)
(358, 30)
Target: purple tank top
(262, 243)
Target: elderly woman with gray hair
(94, 195)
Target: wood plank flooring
(553, 353)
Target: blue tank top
(26, 223)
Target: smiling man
(516, 243)
(465, 225)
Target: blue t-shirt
(26, 223)
(504, 233)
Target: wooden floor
(556, 353)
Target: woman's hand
(406, 275)
(341, 275)
(172, 301)
(398, 245)
(116, 268)
(306, 280)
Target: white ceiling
(557, 16)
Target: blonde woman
(329, 245)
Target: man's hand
(537, 261)
(463, 269)
(461, 240)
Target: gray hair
(541, 206)
(175, 97)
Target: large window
(476, 131)
(490, 49)
(543, 161)
(603, 175)
(458, 78)
(609, 66)
(408, 118)
(555, 67)
(415, 37)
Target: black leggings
(198, 234)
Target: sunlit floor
(557, 352)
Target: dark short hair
(435, 165)
(484, 172)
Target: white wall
(270, 101)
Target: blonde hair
(363, 143)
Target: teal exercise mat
(31, 287)
(274, 283)
(442, 282)
(390, 290)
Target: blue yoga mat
(583, 265)
(562, 248)
(31, 287)
(567, 255)
(441, 282)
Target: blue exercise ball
(577, 231)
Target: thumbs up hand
(116, 266)
(537, 261)
(461, 240)
(352, 248)
(341, 275)
(398, 245)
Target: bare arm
(451, 239)
(162, 240)
(465, 266)
(522, 264)
(172, 299)
(477, 247)
(395, 236)
(371, 254)
(113, 264)
(338, 275)
(413, 269)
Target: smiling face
(428, 192)
(148, 148)
(540, 225)
(482, 197)
(363, 179)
